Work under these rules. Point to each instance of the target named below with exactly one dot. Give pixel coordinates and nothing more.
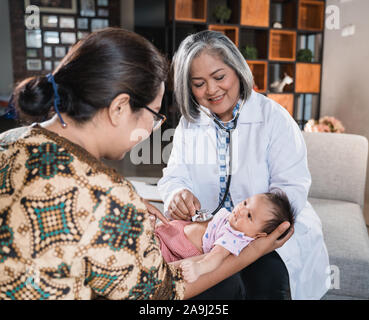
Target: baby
(227, 233)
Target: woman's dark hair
(95, 71)
(282, 211)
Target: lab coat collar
(250, 113)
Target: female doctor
(213, 81)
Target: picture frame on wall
(48, 51)
(68, 37)
(102, 3)
(60, 52)
(33, 39)
(48, 65)
(82, 23)
(51, 37)
(55, 6)
(103, 12)
(97, 24)
(67, 23)
(32, 53)
(88, 8)
(34, 65)
(50, 21)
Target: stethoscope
(205, 214)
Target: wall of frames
(44, 31)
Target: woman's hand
(264, 245)
(154, 213)
(183, 205)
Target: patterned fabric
(72, 228)
(219, 232)
(223, 157)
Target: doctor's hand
(183, 205)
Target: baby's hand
(189, 270)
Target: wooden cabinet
(255, 13)
(194, 10)
(270, 35)
(311, 15)
(285, 100)
(307, 77)
(282, 45)
(230, 31)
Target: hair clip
(50, 78)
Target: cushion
(347, 243)
(337, 163)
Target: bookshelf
(277, 32)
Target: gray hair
(190, 48)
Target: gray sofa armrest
(337, 163)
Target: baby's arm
(193, 269)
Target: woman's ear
(260, 234)
(118, 107)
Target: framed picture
(102, 3)
(87, 8)
(56, 64)
(48, 52)
(60, 52)
(103, 12)
(68, 37)
(32, 53)
(67, 23)
(51, 37)
(53, 6)
(34, 65)
(82, 35)
(49, 21)
(82, 23)
(33, 39)
(97, 24)
(48, 65)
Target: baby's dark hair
(282, 211)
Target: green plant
(250, 52)
(304, 55)
(222, 13)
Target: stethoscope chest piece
(202, 216)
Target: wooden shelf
(257, 38)
(255, 13)
(230, 31)
(282, 45)
(277, 71)
(259, 70)
(284, 12)
(311, 15)
(285, 100)
(307, 77)
(190, 10)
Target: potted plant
(304, 55)
(222, 13)
(250, 53)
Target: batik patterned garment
(72, 228)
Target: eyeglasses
(158, 120)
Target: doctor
(213, 80)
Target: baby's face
(250, 216)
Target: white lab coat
(269, 152)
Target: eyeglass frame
(162, 118)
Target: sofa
(338, 164)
